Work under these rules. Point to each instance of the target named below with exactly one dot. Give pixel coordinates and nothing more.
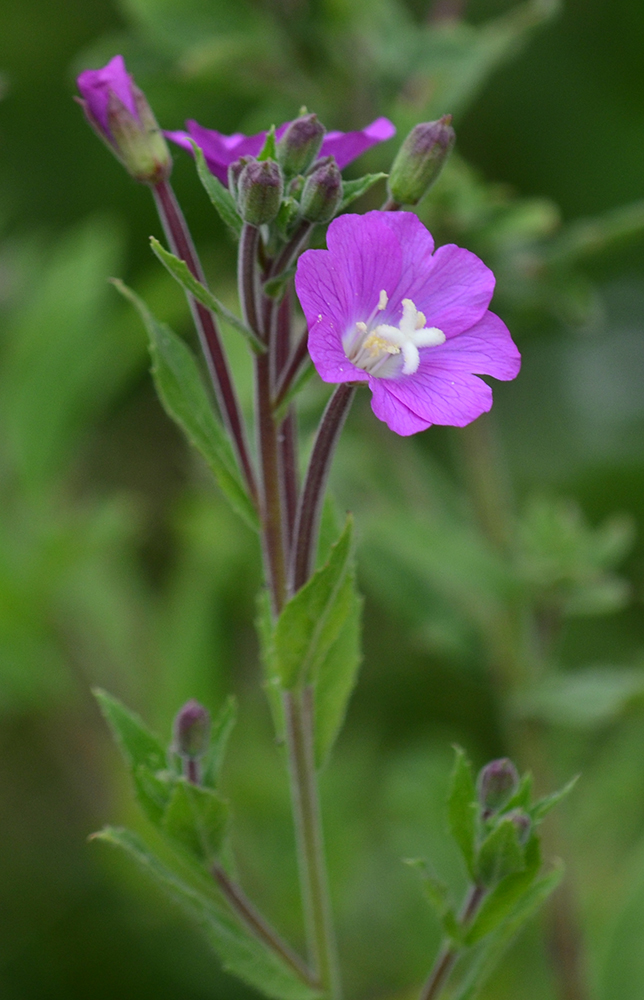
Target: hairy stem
(289, 253)
(180, 241)
(312, 498)
(287, 431)
(299, 714)
(260, 927)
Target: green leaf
(541, 808)
(497, 943)
(268, 150)
(219, 195)
(183, 394)
(240, 953)
(500, 853)
(196, 818)
(355, 189)
(337, 674)
(181, 272)
(312, 620)
(462, 806)
(153, 791)
(501, 901)
(523, 795)
(220, 732)
(137, 744)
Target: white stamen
(375, 348)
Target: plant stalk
(299, 713)
(449, 953)
(259, 926)
(180, 242)
(312, 498)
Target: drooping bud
(260, 187)
(420, 160)
(120, 115)
(496, 782)
(300, 144)
(322, 193)
(192, 730)
(234, 173)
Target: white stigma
(374, 347)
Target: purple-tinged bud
(300, 144)
(496, 782)
(121, 116)
(192, 730)
(260, 187)
(420, 160)
(522, 822)
(322, 194)
(234, 173)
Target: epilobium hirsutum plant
(385, 309)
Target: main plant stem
(279, 501)
(299, 715)
(180, 241)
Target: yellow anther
(376, 345)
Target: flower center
(383, 350)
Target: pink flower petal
(398, 417)
(455, 291)
(348, 146)
(486, 349)
(441, 397)
(95, 86)
(370, 256)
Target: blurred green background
(120, 564)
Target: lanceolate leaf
(337, 675)
(138, 745)
(312, 620)
(180, 270)
(218, 194)
(219, 735)
(541, 808)
(355, 189)
(461, 809)
(493, 948)
(185, 399)
(240, 953)
(196, 818)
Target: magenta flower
(383, 308)
(119, 113)
(222, 150)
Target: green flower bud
(420, 160)
(300, 144)
(522, 822)
(260, 187)
(322, 193)
(496, 783)
(192, 730)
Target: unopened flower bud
(496, 782)
(300, 144)
(420, 160)
(322, 193)
(234, 173)
(120, 115)
(192, 730)
(522, 822)
(260, 187)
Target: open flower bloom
(222, 150)
(383, 308)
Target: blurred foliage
(503, 592)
